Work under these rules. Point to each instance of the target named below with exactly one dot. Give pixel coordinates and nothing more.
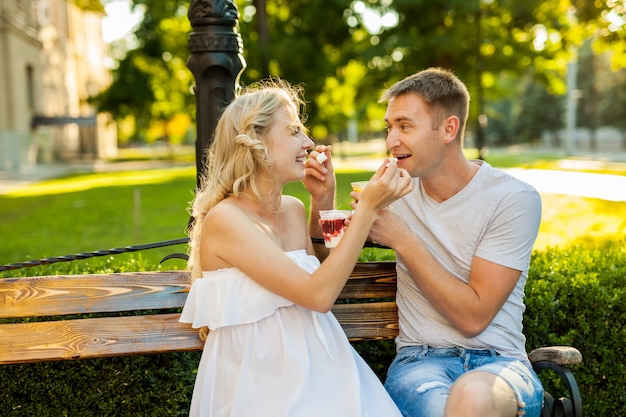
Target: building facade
(52, 59)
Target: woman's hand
(388, 184)
(319, 178)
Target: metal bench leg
(565, 406)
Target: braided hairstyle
(237, 155)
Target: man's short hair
(444, 93)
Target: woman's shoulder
(291, 201)
(224, 214)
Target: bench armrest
(561, 355)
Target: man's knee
(481, 394)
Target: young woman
(273, 346)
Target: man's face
(412, 136)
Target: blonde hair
(237, 155)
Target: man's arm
(469, 307)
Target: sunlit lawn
(101, 211)
(98, 211)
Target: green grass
(92, 212)
(97, 211)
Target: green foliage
(576, 296)
(89, 5)
(378, 354)
(151, 82)
(345, 62)
(539, 112)
(107, 265)
(101, 211)
(151, 385)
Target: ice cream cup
(358, 186)
(333, 226)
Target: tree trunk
(262, 28)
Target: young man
(463, 239)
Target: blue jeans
(420, 377)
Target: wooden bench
(365, 309)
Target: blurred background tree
(150, 96)
(512, 54)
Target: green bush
(575, 296)
(151, 385)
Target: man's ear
(451, 128)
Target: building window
(30, 86)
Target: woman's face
(288, 146)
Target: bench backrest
(89, 316)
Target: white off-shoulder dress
(267, 357)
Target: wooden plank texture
(363, 318)
(371, 280)
(368, 321)
(79, 294)
(100, 293)
(156, 333)
(95, 337)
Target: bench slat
(131, 291)
(157, 333)
(368, 321)
(95, 338)
(98, 293)
(371, 280)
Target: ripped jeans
(420, 377)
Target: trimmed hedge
(575, 296)
(152, 385)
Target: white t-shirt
(495, 217)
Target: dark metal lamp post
(216, 61)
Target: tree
(484, 41)
(588, 102)
(481, 40)
(613, 103)
(308, 42)
(151, 82)
(325, 44)
(540, 112)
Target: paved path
(602, 186)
